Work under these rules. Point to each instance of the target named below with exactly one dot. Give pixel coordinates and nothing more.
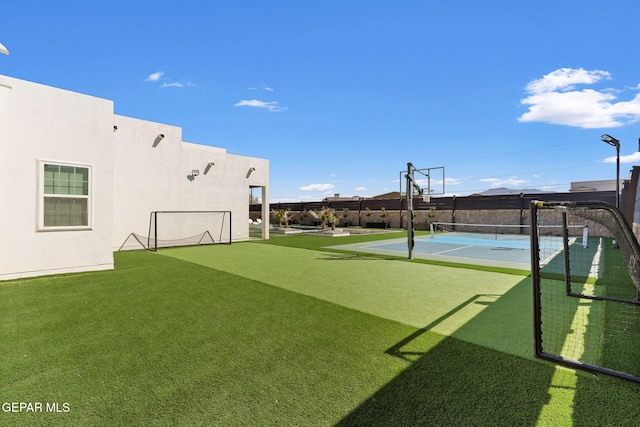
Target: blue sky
(339, 96)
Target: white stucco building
(79, 179)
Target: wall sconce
(206, 170)
(250, 170)
(193, 175)
(159, 138)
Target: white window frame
(41, 196)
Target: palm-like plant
(333, 220)
(324, 215)
(278, 216)
(314, 215)
(286, 217)
(282, 217)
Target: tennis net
(504, 231)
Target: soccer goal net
(188, 228)
(586, 293)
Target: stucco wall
(152, 174)
(41, 123)
(225, 186)
(133, 172)
(143, 174)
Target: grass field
(283, 332)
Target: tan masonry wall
(398, 219)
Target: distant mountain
(502, 191)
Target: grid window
(65, 196)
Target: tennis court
(505, 250)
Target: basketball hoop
(413, 185)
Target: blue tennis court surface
(507, 252)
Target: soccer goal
(586, 295)
(188, 228)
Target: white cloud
(565, 79)
(424, 183)
(631, 158)
(166, 82)
(317, 187)
(361, 189)
(276, 199)
(497, 182)
(154, 77)
(438, 182)
(554, 99)
(263, 87)
(550, 187)
(272, 106)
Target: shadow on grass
(483, 375)
(475, 379)
(459, 383)
(400, 349)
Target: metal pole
(618, 176)
(155, 232)
(400, 198)
(410, 209)
(535, 278)
(616, 143)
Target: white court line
(452, 250)
(556, 253)
(595, 265)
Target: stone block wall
(397, 219)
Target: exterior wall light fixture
(159, 138)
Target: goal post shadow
(409, 347)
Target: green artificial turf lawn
(163, 341)
(411, 293)
(258, 334)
